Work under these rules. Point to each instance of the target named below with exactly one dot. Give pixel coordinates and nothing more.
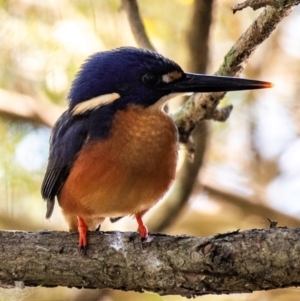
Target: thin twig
(136, 24)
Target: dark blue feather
(120, 71)
(68, 136)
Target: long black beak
(192, 82)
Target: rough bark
(235, 262)
(256, 4)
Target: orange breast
(127, 173)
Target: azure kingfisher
(113, 152)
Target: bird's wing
(68, 136)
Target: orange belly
(125, 174)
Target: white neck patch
(163, 100)
(94, 103)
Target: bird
(113, 152)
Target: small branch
(203, 106)
(236, 262)
(136, 24)
(273, 224)
(256, 4)
(24, 107)
(198, 36)
(248, 205)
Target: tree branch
(234, 262)
(136, 24)
(20, 106)
(198, 37)
(256, 4)
(203, 106)
(248, 205)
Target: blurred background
(246, 169)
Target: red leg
(141, 227)
(82, 229)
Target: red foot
(142, 228)
(82, 229)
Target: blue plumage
(121, 71)
(68, 136)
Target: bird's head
(130, 75)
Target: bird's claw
(82, 250)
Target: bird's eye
(151, 79)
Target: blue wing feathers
(68, 136)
